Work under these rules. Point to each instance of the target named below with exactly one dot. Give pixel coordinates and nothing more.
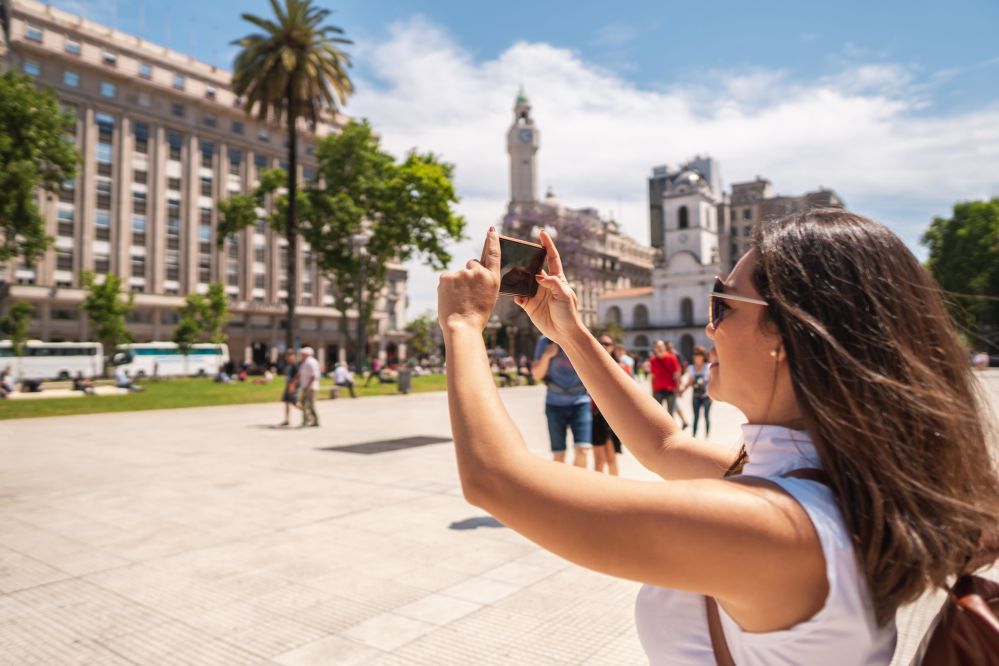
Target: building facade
(699, 232)
(596, 254)
(163, 138)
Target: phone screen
(520, 261)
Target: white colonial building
(674, 308)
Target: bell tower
(522, 143)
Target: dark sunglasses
(717, 307)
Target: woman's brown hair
(887, 396)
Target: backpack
(964, 633)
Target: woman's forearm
(485, 436)
(632, 413)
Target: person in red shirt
(666, 370)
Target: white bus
(52, 360)
(164, 359)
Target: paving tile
(329, 650)
(388, 631)
(480, 590)
(438, 609)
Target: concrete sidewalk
(208, 536)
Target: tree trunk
(292, 227)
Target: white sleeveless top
(673, 625)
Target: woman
(606, 444)
(697, 378)
(835, 344)
(289, 397)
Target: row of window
(110, 58)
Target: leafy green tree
(203, 318)
(293, 70)
(421, 342)
(14, 325)
(407, 207)
(34, 155)
(964, 260)
(106, 310)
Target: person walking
(665, 369)
(696, 379)
(864, 477)
(376, 371)
(308, 379)
(290, 395)
(606, 444)
(567, 405)
(342, 376)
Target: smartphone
(520, 261)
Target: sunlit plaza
(208, 536)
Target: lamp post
(360, 242)
(492, 326)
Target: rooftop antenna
(114, 14)
(142, 19)
(168, 38)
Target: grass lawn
(190, 392)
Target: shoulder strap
(718, 644)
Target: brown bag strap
(718, 644)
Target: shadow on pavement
(473, 523)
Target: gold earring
(774, 353)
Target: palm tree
(293, 70)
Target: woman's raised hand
(554, 309)
(466, 298)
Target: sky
(894, 105)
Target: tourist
(625, 359)
(567, 405)
(84, 384)
(123, 380)
(289, 397)
(606, 444)
(308, 380)
(342, 376)
(665, 369)
(864, 478)
(696, 379)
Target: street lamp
(359, 241)
(493, 325)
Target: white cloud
(865, 132)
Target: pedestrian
(308, 380)
(567, 405)
(376, 371)
(625, 360)
(606, 444)
(864, 478)
(696, 379)
(290, 394)
(665, 369)
(342, 376)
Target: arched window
(687, 312)
(684, 217)
(687, 346)
(613, 315)
(640, 316)
(640, 343)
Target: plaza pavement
(207, 536)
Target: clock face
(526, 135)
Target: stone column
(189, 220)
(121, 216)
(86, 195)
(156, 209)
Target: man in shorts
(567, 404)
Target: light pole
(360, 242)
(492, 326)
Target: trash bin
(405, 379)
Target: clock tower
(522, 142)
